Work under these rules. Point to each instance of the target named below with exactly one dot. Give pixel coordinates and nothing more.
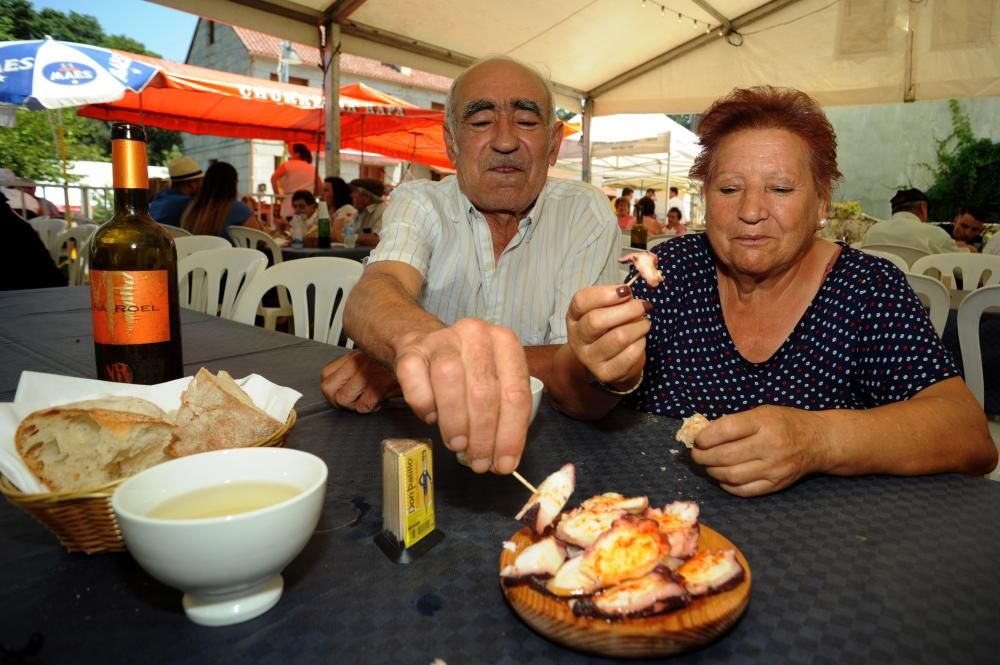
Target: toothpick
(631, 281)
(520, 479)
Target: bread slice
(86, 445)
(691, 428)
(216, 413)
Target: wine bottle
(323, 226)
(133, 277)
(639, 232)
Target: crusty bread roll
(216, 413)
(691, 428)
(85, 445)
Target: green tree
(967, 172)
(30, 149)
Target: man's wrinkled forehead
(475, 106)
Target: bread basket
(83, 520)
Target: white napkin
(37, 390)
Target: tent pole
(588, 111)
(331, 92)
(670, 154)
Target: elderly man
(967, 228)
(467, 292)
(185, 181)
(366, 197)
(908, 226)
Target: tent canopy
(205, 101)
(635, 56)
(635, 150)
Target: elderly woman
(807, 356)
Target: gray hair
(451, 113)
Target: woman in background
(337, 194)
(215, 206)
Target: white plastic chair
(974, 270)
(938, 301)
(238, 265)
(244, 236)
(969, 313)
(47, 229)
(908, 254)
(331, 278)
(189, 244)
(79, 265)
(175, 231)
(894, 259)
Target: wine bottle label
(130, 307)
(130, 166)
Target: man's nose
(505, 135)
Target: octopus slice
(615, 501)
(541, 559)
(544, 507)
(646, 264)
(691, 428)
(632, 547)
(678, 522)
(582, 527)
(656, 592)
(571, 580)
(711, 572)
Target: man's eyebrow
(477, 105)
(528, 105)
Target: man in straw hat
(466, 293)
(185, 181)
(367, 198)
(20, 201)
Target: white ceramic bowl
(228, 567)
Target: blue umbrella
(45, 73)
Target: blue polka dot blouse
(864, 341)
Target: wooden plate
(699, 623)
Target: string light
(681, 16)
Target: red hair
(767, 107)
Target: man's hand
(471, 379)
(762, 450)
(358, 382)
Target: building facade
(243, 51)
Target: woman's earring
(822, 222)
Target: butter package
(408, 527)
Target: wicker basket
(83, 520)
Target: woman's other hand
(762, 450)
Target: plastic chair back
(894, 259)
(969, 314)
(74, 239)
(175, 231)
(934, 296)
(319, 317)
(968, 270)
(48, 228)
(235, 267)
(244, 236)
(908, 254)
(189, 244)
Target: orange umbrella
(205, 101)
